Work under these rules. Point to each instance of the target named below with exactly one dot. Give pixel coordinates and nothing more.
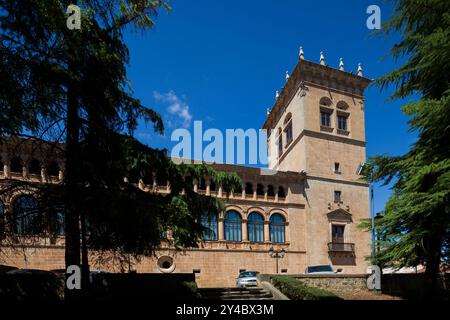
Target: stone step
(239, 297)
(235, 294)
(248, 289)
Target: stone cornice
(307, 72)
(327, 179)
(321, 135)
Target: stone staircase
(235, 294)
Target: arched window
(27, 216)
(342, 105)
(53, 168)
(288, 128)
(255, 227)
(2, 218)
(34, 167)
(248, 188)
(233, 226)
(212, 185)
(280, 142)
(209, 222)
(259, 189)
(57, 222)
(277, 228)
(281, 193)
(270, 191)
(16, 165)
(202, 184)
(325, 102)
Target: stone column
(24, 169)
(154, 182)
(44, 174)
(208, 186)
(265, 193)
(61, 175)
(220, 226)
(6, 171)
(244, 230)
(219, 191)
(266, 231)
(243, 191)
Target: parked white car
(247, 279)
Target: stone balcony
(341, 247)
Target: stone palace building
(308, 211)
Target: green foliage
(425, 29)
(414, 227)
(45, 68)
(297, 290)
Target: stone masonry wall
(339, 282)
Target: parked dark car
(320, 269)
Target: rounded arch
(234, 208)
(270, 191)
(255, 227)
(52, 168)
(260, 189)
(280, 212)
(232, 224)
(16, 165)
(325, 101)
(277, 228)
(287, 118)
(34, 166)
(342, 105)
(248, 188)
(281, 192)
(257, 210)
(210, 225)
(27, 215)
(27, 190)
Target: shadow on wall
(342, 259)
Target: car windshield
(320, 269)
(247, 274)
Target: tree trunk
(84, 256)
(433, 254)
(72, 227)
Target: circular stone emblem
(166, 264)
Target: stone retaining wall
(338, 282)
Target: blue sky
(221, 62)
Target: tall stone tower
(317, 126)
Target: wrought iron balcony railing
(341, 247)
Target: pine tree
(415, 222)
(71, 87)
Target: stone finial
(341, 64)
(301, 54)
(267, 112)
(359, 70)
(322, 58)
(277, 94)
(287, 75)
